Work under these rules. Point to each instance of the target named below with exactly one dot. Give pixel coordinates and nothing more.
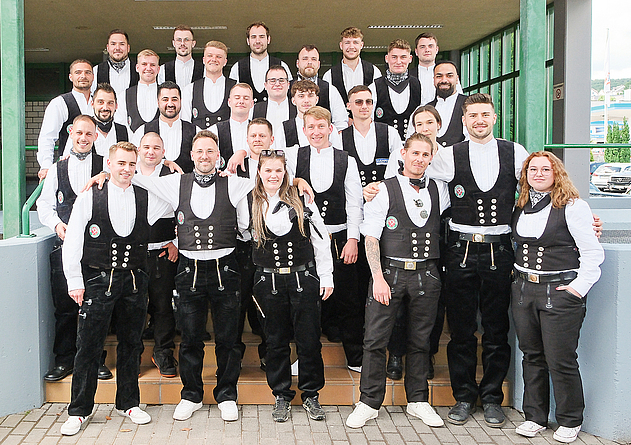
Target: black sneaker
(281, 410)
(313, 408)
(394, 368)
(166, 363)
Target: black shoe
(147, 334)
(166, 363)
(394, 370)
(58, 373)
(281, 410)
(494, 415)
(430, 370)
(104, 372)
(460, 412)
(206, 336)
(313, 408)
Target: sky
(615, 15)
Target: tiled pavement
(255, 426)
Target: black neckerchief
(118, 66)
(205, 180)
(420, 183)
(280, 205)
(313, 79)
(537, 201)
(105, 127)
(398, 82)
(80, 156)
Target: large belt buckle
(478, 238)
(284, 270)
(533, 278)
(409, 265)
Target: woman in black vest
(294, 270)
(557, 259)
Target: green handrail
(25, 231)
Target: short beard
(444, 94)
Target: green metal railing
(25, 230)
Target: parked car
(620, 182)
(600, 178)
(593, 166)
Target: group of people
(310, 207)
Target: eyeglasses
(281, 81)
(360, 102)
(545, 171)
(185, 40)
(268, 153)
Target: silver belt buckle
(533, 278)
(284, 270)
(478, 238)
(409, 265)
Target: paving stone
(23, 428)
(35, 436)
(372, 433)
(429, 439)
(408, 434)
(34, 415)
(393, 439)
(4, 432)
(12, 420)
(12, 439)
(357, 439)
(322, 439)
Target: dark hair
(444, 62)
(206, 134)
(261, 121)
(477, 98)
(169, 85)
(74, 62)
(304, 85)
(276, 68)
(358, 89)
(106, 88)
(117, 31)
(309, 48)
(184, 28)
(425, 35)
(429, 109)
(256, 25)
(418, 137)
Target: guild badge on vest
(424, 214)
(60, 197)
(180, 217)
(94, 230)
(129, 120)
(392, 223)
(195, 113)
(222, 163)
(459, 191)
(68, 128)
(379, 113)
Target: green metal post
(531, 131)
(13, 98)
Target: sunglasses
(268, 153)
(360, 102)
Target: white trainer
(185, 409)
(136, 415)
(229, 410)
(529, 429)
(425, 412)
(360, 415)
(72, 425)
(565, 434)
(355, 368)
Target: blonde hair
(147, 53)
(287, 193)
(563, 191)
(217, 44)
(125, 146)
(318, 113)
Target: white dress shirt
(277, 113)
(485, 167)
(54, 117)
(367, 146)
(213, 97)
(103, 142)
(183, 72)
(120, 82)
(579, 220)
(279, 224)
(426, 77)
(121, 206)
(352, 77)
(156, 174)
(445, 108)
(147, 101)
(238, 135)
(171, 137)
(258, 69)
(339, 114)
(400, 101)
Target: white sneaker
(355, 368)
(360, 415)
(72, 425)
(425, 412)
(229, 410)
(565, 434)
(294, 368)
(529, 429)
(185, 409)
(136, 415)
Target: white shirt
(183, 72)
(258, 69)
(426, 77)
(238, 135)
(202, 201)
(445, 108)
(352, 77)
(54, 117)
(485, 167)
(120, 82)
(400, 101)
(280, 224)
(213, 97)
(171, 137)
(121, 206)
(277, 113)
(147, 101)
(280, 141)
(103, 142)
(579, 220)
(367, 146)
(156, 174)
(339, 114)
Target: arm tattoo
(373, 255)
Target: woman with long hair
(557, 259)
(294, 271)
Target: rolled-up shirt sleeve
(375, 213)
(321, 248)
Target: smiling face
(214, 60)
(303, 100)
(104, 105)
(277, 85)
(240, 103)
(540, 174)
(258, 40)
(169, 103)
(150, 150)
(445, 80)
(122, 164)
(317, 132)
(308, 63)
(272, 172)
(183, 42)
(259, 138)
(416, 158)
(148, 67)
(205, 154)
(83, 134)
(398, 60)
(361, 105)
(351, 47)
(81, 76)
(117, 47)
(479, 120)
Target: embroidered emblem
(195, 113)
(95, 231)
(68, 128)
(180, 217)
(129, 120)
(424, 214)
(392, 223)
(60, 197)
(222, 163)
(459, 191)
(379, 113)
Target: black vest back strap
(103, 73)
(291, 133)
(454, 134)
(73, 112)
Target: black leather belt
(546, 278)
(409, 265)
(481, 238)
(286, 270)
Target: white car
(601, 176)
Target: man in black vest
(252, 69)
(141, 103)
(448, 103)
(402, 226)
(105, 259)
(208, 274)
(161, 262)
(184, 70)
(64, 181)
(352, 70)
(177, 134)
(308, 64)
(482, 174)
(60, 113)
(205, 101)
(110, 132)
(397, 93)
(118, 70)
(277, 108)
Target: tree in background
(617, 135)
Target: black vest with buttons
(186, 142)
(245, 76)
(103, 73)
(73, 112)
(103, 248)
(201, 116)
(337, 79)
(331, 202)
(64, 194)
(163, 230)
(134, 119)
(289, 250)
(554, 250)
(377, 168)
(401, 238)
(454, 133)
(388, 115)
(473, 207)
(169, 71)
(218, 231)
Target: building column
(13, 116)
